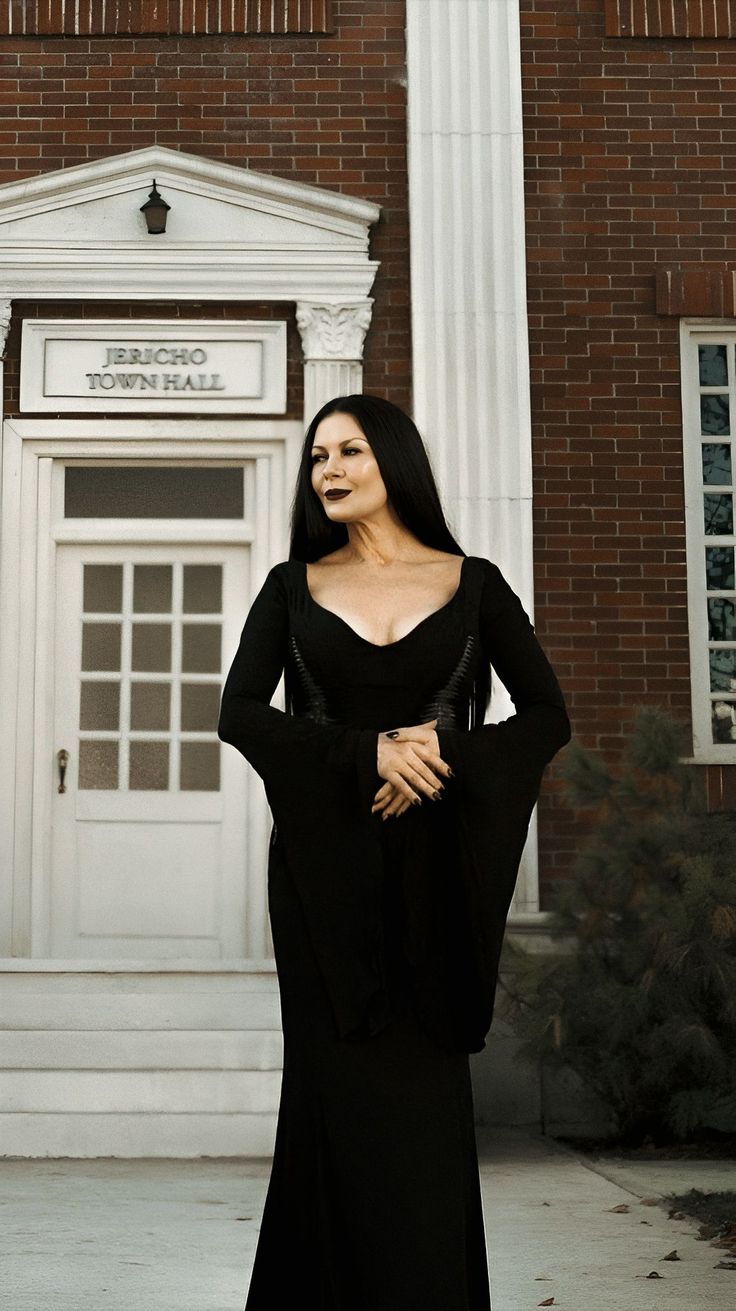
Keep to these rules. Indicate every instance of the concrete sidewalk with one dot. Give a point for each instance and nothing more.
(114, 1235)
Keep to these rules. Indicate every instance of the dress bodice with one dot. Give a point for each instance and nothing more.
(333, 675)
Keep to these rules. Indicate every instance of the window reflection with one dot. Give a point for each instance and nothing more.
(723, 671)
(717, 463)
(721, 619)
(718, 514)
(719, 568)
(714, 415)
(712, 366)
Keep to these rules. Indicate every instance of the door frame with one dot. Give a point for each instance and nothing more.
(28, 540)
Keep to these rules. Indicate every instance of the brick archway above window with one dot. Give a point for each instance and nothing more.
(165, 17)
(709, 289)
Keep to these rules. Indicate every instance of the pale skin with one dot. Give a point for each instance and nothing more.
(394, 579)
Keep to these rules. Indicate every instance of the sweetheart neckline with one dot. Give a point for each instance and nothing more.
(382, 646)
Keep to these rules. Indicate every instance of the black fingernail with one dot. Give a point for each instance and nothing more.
(394, 732)
(436, 795)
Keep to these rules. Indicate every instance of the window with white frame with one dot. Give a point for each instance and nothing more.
(709, 429)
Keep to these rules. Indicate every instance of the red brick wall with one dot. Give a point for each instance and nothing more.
(327, 110)
(630, 149)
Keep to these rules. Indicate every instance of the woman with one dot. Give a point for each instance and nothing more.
(399, 821)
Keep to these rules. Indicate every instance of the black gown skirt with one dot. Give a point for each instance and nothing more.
(374, 1197)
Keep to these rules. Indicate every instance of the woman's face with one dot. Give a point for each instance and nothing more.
(343, 460)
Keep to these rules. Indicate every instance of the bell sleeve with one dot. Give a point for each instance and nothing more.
(498, 770)
(279, 745)
(320, 781)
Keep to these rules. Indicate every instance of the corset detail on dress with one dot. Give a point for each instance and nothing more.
(309, 696)
(304, 693)
(449, 704)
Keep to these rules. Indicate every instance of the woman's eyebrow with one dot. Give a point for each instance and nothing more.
(347, 442)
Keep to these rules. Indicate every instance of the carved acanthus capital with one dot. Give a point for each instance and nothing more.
(6, 312)
(333, 332)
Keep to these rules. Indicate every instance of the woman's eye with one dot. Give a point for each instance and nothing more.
(349, 450)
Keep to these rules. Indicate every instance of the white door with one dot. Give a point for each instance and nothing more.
(148, 842)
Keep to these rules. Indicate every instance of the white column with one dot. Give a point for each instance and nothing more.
(468, 287)
(332, 340)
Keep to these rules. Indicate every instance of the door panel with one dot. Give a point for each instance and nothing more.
(149, 838)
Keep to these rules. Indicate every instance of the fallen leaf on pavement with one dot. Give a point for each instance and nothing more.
(672, 1256)
(622, 1206)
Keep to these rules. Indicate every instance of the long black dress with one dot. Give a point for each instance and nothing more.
(386, 934)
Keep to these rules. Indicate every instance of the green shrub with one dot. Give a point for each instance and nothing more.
(642, 1004)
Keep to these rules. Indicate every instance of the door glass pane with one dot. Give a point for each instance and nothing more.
(151, 648)
(142, 676)
(149, 706)
(150, 492)
(99, 706)
(101, 646)
(152, 589)
(200, 766)
(98, 764)
(149, 766)
(200, 707)
(201, 648)
(103, 589)
(202, 589)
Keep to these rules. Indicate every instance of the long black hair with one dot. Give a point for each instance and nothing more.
(405, 469)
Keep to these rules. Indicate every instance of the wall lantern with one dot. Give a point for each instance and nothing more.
(155, 210)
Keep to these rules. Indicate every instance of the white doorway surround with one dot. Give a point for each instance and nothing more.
(138, 994)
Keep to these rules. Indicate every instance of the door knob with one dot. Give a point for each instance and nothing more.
(63, 759)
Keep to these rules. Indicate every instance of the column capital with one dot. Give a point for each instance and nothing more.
(333, 332)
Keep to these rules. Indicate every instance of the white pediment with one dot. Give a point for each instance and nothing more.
(224, 223)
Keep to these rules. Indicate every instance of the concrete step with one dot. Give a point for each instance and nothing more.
(155, 1049)
(123, 1135)
(140, 1062)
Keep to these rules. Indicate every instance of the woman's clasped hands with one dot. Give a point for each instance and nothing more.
(409, 760)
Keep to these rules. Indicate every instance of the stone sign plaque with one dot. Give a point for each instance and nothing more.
(78, 365)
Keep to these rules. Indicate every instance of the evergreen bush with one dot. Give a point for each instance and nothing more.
(643, 1008)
